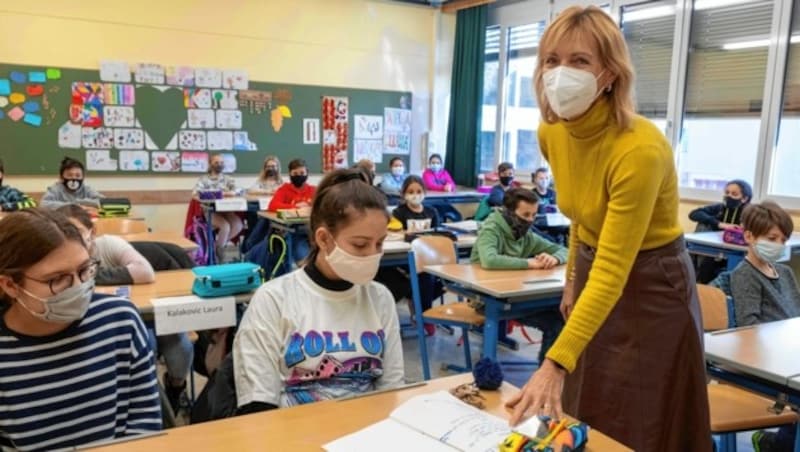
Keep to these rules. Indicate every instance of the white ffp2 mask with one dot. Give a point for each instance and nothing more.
(569, 91)
(359, 270)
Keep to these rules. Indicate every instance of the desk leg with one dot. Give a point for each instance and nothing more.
(210, 252)
(502, 336)
(490, 328)
(290, 247)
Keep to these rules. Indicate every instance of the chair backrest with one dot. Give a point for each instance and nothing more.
(433, 250)
(120, 226)
(714, 307)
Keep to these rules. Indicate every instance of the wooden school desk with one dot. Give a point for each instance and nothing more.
(710, 244)
(460, 196)
(174, 238)
(309, 427)
(395, 251)
(762, 358)
(507, 294)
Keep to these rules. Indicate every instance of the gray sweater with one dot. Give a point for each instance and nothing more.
(758, 298)
(57, 195)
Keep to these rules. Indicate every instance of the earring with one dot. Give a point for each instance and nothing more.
(608, 88)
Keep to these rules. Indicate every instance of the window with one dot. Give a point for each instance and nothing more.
(491, 67)
(487, 150)
(786, 161)
(649, 30)
(725, 77)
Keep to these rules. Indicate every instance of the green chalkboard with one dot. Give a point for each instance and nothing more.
(160, 112)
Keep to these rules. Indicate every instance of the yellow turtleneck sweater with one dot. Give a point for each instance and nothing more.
(620, 190)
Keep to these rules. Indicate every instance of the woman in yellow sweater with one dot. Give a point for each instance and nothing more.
(630, 357)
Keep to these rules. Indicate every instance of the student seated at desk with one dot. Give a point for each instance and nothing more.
(392, 182)
(75, 366)
(506, 242)
(269, 180)
(12, 199)
(295, 194)
(542, 186)
(120, 264)
(436, 177)
(71, 189)
(764, 290)
(367, 166)
(326, 330)
(227, 224)
(411, 213)
(505, 174)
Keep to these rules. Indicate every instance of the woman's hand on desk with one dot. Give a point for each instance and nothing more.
(541, 395)
(542, 261)
(567, 299)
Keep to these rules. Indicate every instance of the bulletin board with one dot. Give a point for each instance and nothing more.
(167, 120)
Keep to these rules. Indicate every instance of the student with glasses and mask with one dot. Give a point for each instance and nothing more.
(75, 366)
(326, 330)
(270, 178)
(71, 189)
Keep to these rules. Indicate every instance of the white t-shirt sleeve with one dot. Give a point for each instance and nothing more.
(393, 367)
(113, 251)
(257, 350)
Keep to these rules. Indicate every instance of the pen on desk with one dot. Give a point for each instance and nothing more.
(732, 330)
(381, 391)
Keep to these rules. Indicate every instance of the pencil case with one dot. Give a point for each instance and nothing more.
(734, 237)
(226, 279)
(207, 195)
(572, 438)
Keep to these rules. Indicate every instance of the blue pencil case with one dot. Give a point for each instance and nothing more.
(226, 279)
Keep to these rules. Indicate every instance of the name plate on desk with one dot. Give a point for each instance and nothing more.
(263, 203)
(190, 313)
(231, 205)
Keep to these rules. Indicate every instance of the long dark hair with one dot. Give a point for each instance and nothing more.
(28, 236)
(341, 196)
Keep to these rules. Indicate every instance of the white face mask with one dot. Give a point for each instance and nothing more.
(769, 251)
(415, 199)
(569, 91)
(398, 171)
(65, 307)
(358, 270)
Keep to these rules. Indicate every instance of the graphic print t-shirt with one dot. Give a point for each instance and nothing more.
(300, 343)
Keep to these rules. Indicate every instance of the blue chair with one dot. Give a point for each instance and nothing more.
(733, 409)
(438, 250)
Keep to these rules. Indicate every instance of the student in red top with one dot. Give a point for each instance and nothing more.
(296, 193)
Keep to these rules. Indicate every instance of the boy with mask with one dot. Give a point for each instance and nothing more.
(12, 199)
(764, 290)
(506, 242)
(542, 188)
(295, 194)
(71, 188)
(505, 174)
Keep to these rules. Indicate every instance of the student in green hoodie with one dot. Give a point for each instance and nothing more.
(506, 242)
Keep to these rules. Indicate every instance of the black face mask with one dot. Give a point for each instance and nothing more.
(298, 181)
(519, 227)
(73, 184)
(271, 172)
(218, 168)
(731, 203)
(506, 180)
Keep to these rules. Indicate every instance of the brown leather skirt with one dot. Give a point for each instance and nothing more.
(641, 379)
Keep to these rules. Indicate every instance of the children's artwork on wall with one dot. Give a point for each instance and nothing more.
(234, 79)
(241, 142)
(115, 94)
(69, 136)
(87, 104)
(53, 74)
(128, 138)
(115, 71)
(118, 116)
(310, 131)
(335, 132)
(368, 149)
(134, 160)
(200, 118)
(194, 162)
(5, 87)
(18, 77)
(207, 77)
(166, 162)
(150, 73)
(37, 77)
(224, 98)
(100, 160)
(396, 131)
(16, 113)
(230, 163)
(97, 137)
(229, 119)
(192, 140)
(30, 107)
(219, 140)
(180, 75)
(34, 90)
(32, 119)
(197, 98)
(256, 101)
(368, 127)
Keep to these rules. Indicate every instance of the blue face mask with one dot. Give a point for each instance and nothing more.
(769, 251)
(436, 167)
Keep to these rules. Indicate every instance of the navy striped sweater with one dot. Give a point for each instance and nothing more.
(94, 381)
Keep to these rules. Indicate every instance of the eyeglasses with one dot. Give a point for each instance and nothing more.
(63, 282)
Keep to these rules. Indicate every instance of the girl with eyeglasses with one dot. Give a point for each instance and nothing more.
(75, 366)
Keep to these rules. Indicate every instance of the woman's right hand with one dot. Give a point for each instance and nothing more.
(568, 299)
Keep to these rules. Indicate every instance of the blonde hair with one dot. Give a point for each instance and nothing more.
(263, 175)
(592, 25)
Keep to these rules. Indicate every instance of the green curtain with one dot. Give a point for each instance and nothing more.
(466, 90)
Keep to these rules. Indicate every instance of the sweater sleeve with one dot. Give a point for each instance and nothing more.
(51, 199)
(747, 297)
(281, 200)
(634, 182)
(430, 181)
(707, 215)
(448, 178)
(488, 245)
(538, 245)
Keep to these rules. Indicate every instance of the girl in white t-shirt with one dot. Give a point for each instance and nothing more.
(326, 330)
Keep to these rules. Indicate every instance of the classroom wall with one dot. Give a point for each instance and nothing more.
(348, 43)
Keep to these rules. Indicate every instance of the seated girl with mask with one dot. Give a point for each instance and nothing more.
(75, 366)
(227, 224)
(71, 189)
(392, 182)
(506, 242)
(326, 330)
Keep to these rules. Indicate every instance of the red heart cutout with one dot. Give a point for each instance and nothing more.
(34, 90)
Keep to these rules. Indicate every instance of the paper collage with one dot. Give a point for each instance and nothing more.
(114, 94)
(149, 73)
(100, 160)
(180, 76)
(396, 131)
(192, 140)
(23, 97)
(335, 131)
(87, 104)
(207, 78)
(97, 138)
(197, 98)
(134, 160)
(128, 138)
(194, 162)
(166, 162)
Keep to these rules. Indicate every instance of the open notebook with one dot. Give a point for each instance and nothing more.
(436, 422)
